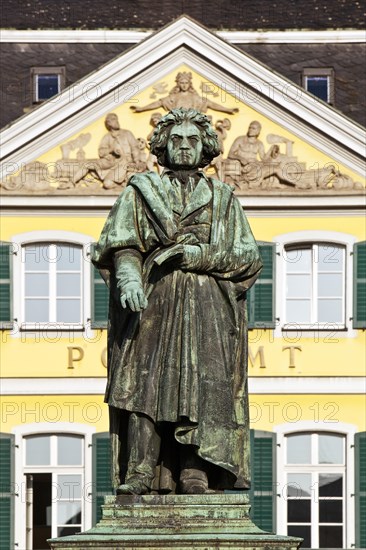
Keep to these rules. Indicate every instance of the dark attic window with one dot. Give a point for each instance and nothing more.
(320, 82)
(46, 82)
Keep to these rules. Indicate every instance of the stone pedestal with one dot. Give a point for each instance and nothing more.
(175, 521)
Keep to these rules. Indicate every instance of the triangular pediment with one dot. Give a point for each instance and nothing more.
(220, 73)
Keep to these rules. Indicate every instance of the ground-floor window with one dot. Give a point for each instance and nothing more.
(54, 471)
(315, 488)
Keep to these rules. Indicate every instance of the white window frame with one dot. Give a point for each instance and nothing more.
(52, 237)
(46, 71)
(324, 72)
(297, 239)
(61, 428)
(336, 428)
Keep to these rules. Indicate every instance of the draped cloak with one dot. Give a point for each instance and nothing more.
(182, 360)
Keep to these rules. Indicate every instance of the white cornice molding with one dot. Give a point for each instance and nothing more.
(101, 36)
(293, 203)
(258, 385)
(76, 36)
(185, 42)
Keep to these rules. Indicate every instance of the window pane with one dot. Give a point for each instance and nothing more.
(302, 531)
(318, 85)
(330, 536)
(331, 449)
(37, 450)
(330, 284)
(68, 258)
(299, 510)
(298, 286)
(330, 257)
(47, 85)
(68, 512)
(298, 311)
(330, 485)
(37, 311)
(330, 311)
(68, 284)
(330, 511)
(70, 486)
(298, 260)
(36, 258)
(36, 284)
(69, 450)
(68, 310)
(298, 485)
(299, 449)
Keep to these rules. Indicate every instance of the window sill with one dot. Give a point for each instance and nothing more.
(52, 326)
(325, 327)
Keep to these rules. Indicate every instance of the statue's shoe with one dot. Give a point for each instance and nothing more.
(133, 487)
(195, 487)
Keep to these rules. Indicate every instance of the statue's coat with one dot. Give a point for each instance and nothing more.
(183, 360)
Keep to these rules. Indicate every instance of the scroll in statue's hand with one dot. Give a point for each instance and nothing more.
(133, 296)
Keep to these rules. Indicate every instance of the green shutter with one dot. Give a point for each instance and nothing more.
(6, 314)
(100, 298)
(261, 296)
(360, 489)
(262, 495)
(359, 285)
(102, 482)
(6, 491)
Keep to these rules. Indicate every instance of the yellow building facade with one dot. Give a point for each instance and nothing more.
(305, 205)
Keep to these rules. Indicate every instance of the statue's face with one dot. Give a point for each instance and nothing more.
(254, 129)
(184, 148)
(184, 84)
(111, 122)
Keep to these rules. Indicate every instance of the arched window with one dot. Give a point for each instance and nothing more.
(52, 275)
(315, 284)
(315, 488)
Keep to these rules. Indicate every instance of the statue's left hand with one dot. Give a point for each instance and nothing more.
(133, 295)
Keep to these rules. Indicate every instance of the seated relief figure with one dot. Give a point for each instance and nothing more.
(178, 255)
(117, 151)
(256, 165)
(184, 95)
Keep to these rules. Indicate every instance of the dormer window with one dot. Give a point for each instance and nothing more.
(46, 82)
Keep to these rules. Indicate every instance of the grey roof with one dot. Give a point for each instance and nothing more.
(80, 60)
(214, 14)
(347, 60)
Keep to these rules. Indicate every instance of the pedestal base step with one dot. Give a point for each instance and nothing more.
(181, 522)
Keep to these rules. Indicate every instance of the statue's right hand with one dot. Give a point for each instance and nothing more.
(134, 109)
(133, 295)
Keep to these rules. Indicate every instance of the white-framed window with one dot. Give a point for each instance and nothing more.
(315, 483)
(314, 274)
(53, 473)
(46, 82)
(315, 488)
(320, 82)
(53, 283)
(52, 269)
(315, 283)
(54, 468)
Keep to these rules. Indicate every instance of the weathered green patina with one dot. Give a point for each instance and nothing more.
(178, 255)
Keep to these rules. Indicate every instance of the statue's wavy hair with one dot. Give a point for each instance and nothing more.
(159, 139)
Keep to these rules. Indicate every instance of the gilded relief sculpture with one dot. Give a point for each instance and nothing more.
(178, 255)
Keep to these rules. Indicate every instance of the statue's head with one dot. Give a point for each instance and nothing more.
(254, 129)
(111, 121)
(184, 81)
(184, 139)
